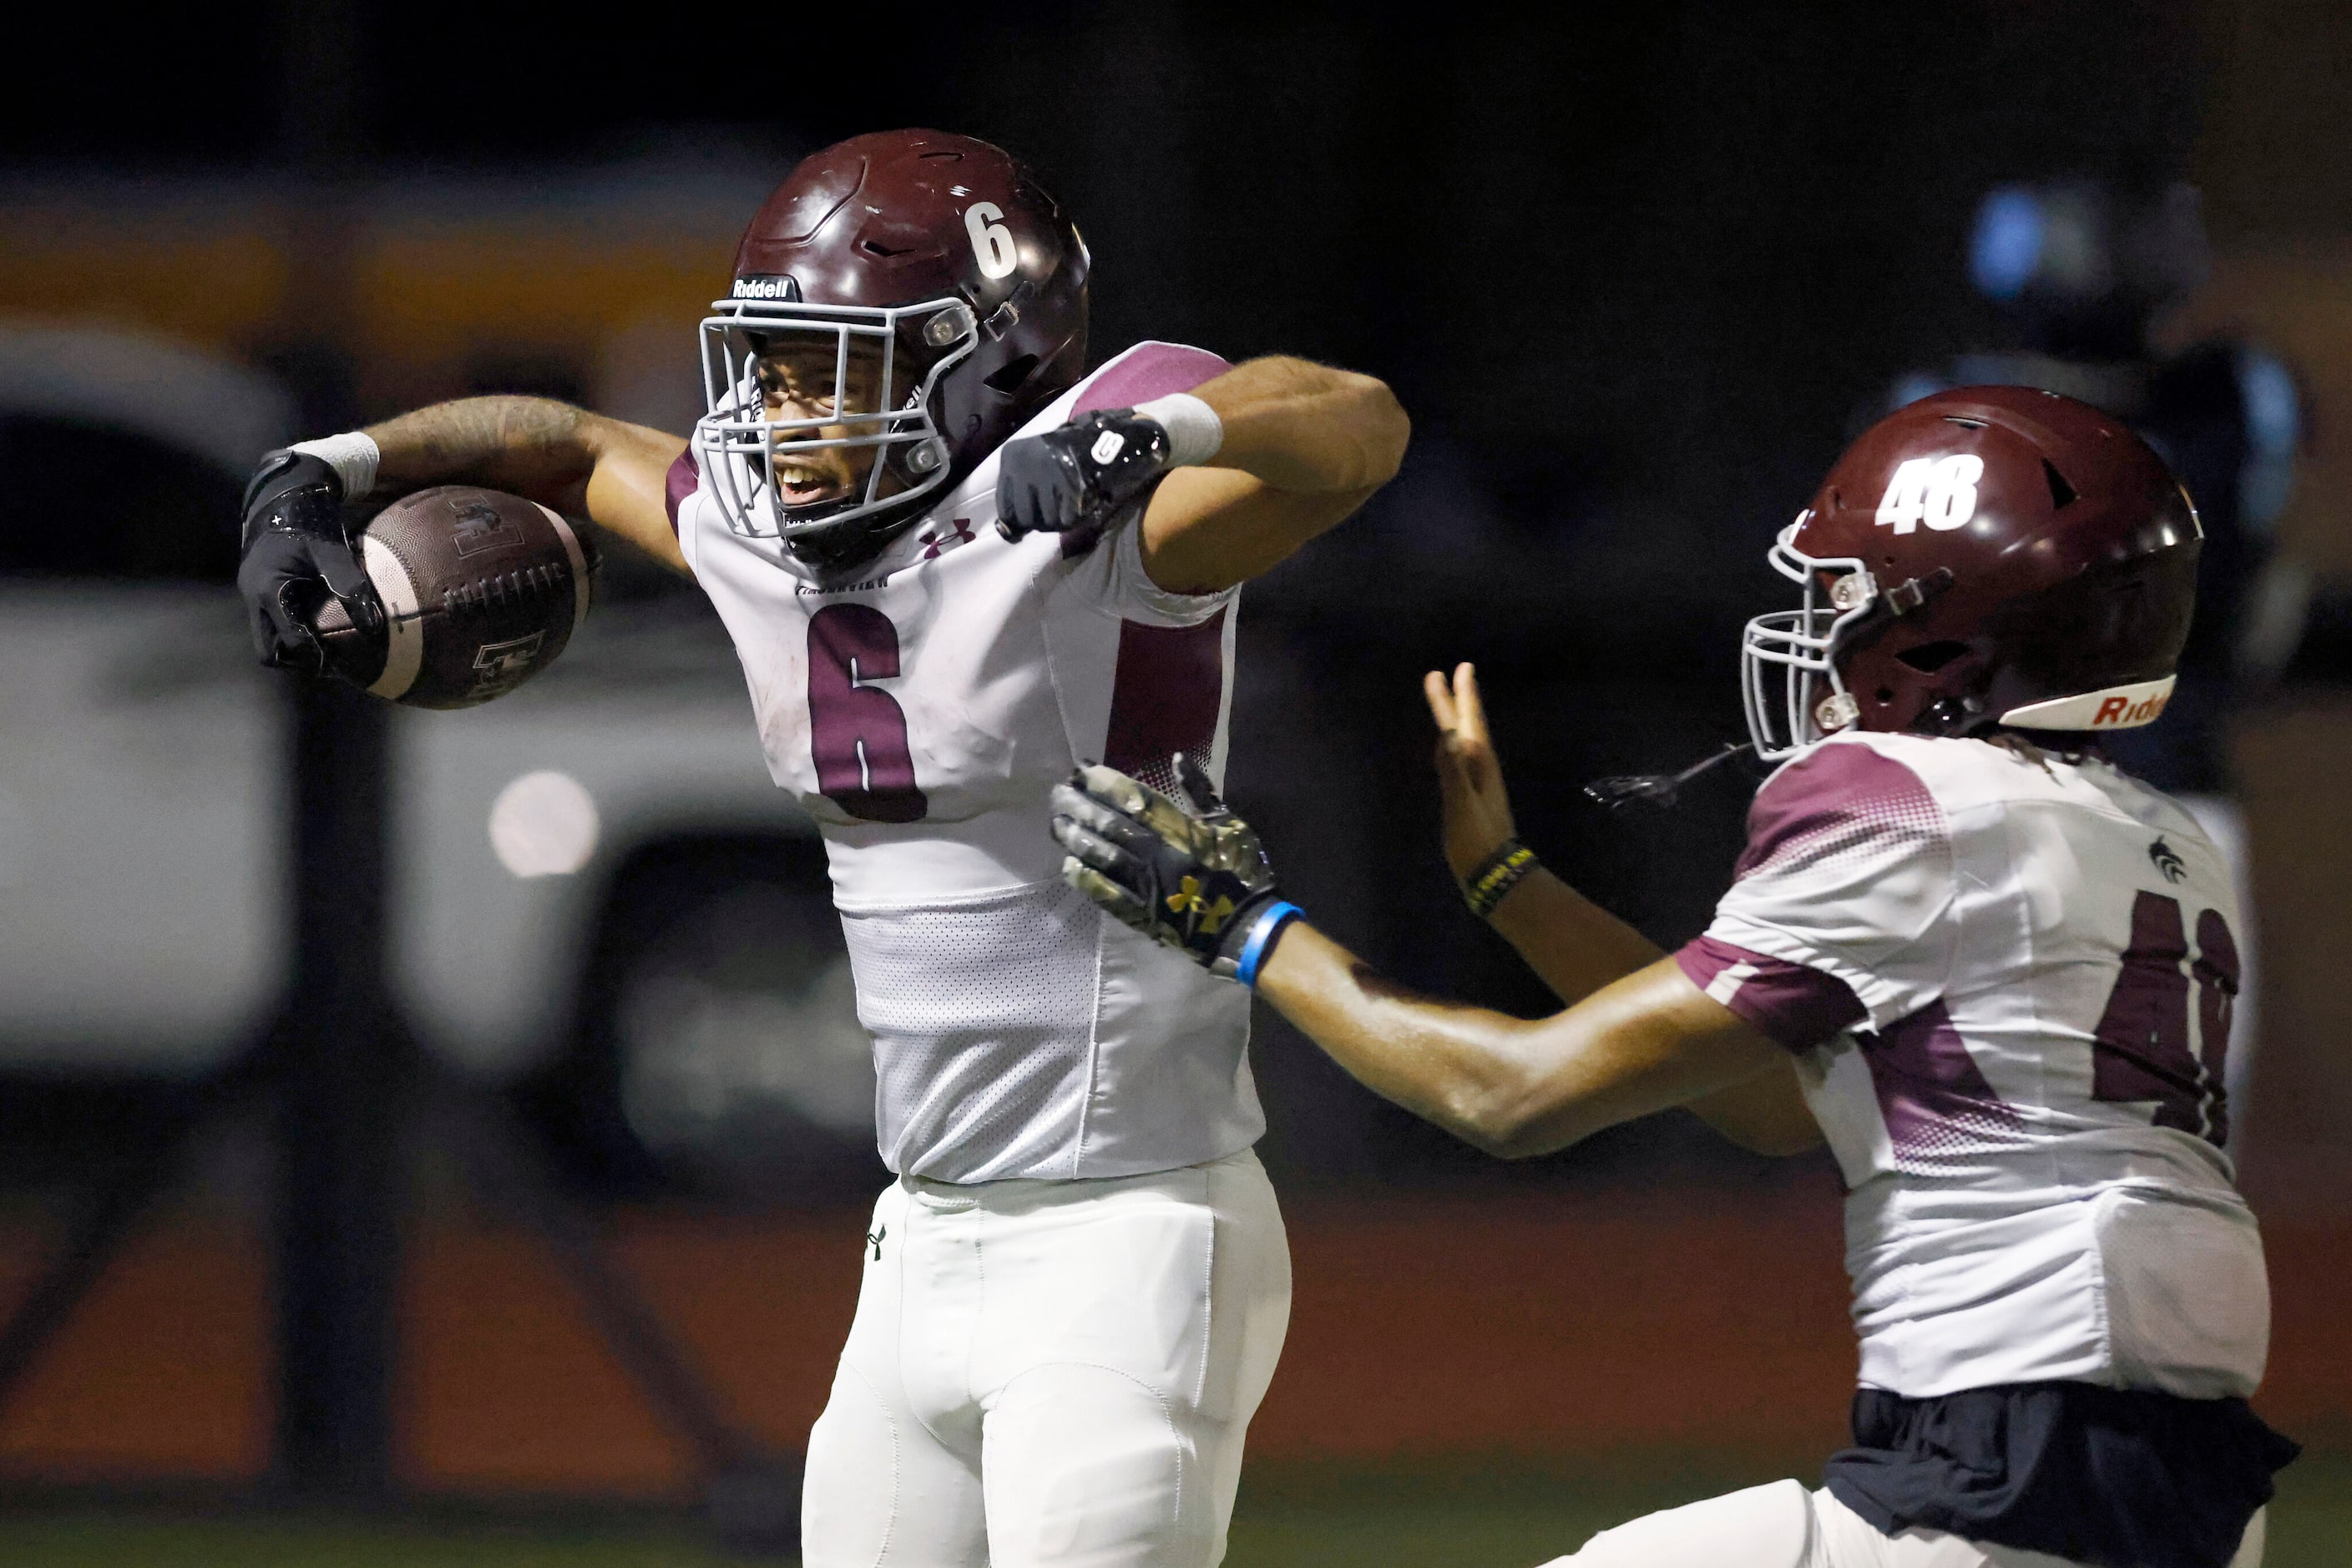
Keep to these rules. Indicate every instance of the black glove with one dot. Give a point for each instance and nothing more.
(296, 553)
(1079, 476)
(1190, 876)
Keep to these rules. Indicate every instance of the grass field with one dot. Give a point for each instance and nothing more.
(1442, 1518)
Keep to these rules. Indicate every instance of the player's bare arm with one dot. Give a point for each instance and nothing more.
(1232, 477)
(297, 548)
(1304, 445)
(580, 463)
(1573, 944)
(1638, 1036)
(1517, 1087)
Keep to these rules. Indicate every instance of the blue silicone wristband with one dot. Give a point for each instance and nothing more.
(1261, 940)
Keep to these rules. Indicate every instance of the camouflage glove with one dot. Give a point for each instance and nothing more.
(1079, 476)
(295, 553)
(1190, 876)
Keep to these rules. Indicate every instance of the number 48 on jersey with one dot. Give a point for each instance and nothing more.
(2142, 1049)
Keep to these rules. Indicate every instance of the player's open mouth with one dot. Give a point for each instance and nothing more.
(801, 485)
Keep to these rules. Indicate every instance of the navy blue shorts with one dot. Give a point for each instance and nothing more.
(2120, 1477)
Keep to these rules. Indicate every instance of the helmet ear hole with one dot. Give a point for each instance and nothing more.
(1007, 379)
(2061, 494)
(1929, 657)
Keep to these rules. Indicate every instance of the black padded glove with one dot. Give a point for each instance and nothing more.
(1079, 476)
(1190, 876)
(296, 553)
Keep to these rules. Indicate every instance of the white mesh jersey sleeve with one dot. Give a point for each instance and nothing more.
(1849, 871)
(1113, 577)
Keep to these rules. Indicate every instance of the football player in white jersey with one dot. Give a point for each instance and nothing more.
(1993, 971)
(954, 567)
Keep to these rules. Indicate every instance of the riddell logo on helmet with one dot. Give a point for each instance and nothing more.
(776, 285)
(2122, 712)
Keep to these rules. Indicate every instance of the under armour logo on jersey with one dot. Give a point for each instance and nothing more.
(2167, 860)
(874, 1240)
(941, 540)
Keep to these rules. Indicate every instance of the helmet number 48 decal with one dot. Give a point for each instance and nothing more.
(1938, 491)
(992, 241)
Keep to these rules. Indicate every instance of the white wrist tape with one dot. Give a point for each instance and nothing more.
(1194, 431)
(354, 457)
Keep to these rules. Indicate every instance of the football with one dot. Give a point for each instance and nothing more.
(481, 589)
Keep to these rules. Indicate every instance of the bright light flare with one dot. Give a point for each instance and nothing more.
(544, 825)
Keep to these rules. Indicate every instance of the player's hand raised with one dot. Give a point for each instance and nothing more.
(1079, 476)
(1189, 874)
(1478, 809)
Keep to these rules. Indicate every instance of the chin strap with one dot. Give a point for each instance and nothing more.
(840, 549)
(1659, 789)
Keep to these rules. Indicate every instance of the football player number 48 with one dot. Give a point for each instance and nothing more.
(1938, 491)
(857, 732)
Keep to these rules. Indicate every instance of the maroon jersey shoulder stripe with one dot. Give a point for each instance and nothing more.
(683, 479)
(1834, 800)
(1165, 692)
(1155, 370)
(1142, 373)
(1796, 1007)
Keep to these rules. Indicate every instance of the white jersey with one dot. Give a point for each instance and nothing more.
(921, 712)
(2010, 983)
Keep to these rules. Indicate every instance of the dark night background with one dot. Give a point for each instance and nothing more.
(1637, 273)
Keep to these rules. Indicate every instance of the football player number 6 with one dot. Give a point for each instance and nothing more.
(858, 733)
(991, 242)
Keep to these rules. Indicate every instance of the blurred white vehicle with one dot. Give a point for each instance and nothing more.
(596, 891)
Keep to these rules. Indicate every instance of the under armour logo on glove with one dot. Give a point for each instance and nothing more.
(1189, 874)
(1079, 476)
(1194, 904)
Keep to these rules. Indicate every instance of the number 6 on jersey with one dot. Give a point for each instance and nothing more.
(858, 733)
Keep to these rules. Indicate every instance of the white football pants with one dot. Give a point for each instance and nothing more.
(1784, 1526)
(1051, 1372)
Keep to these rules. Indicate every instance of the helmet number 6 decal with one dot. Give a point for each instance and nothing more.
(991, 242)
(1938, 491)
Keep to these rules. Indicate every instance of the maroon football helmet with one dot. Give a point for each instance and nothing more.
(1988, 557)
(948, 295)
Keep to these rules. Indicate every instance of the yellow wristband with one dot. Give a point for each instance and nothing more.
(1496, 875)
